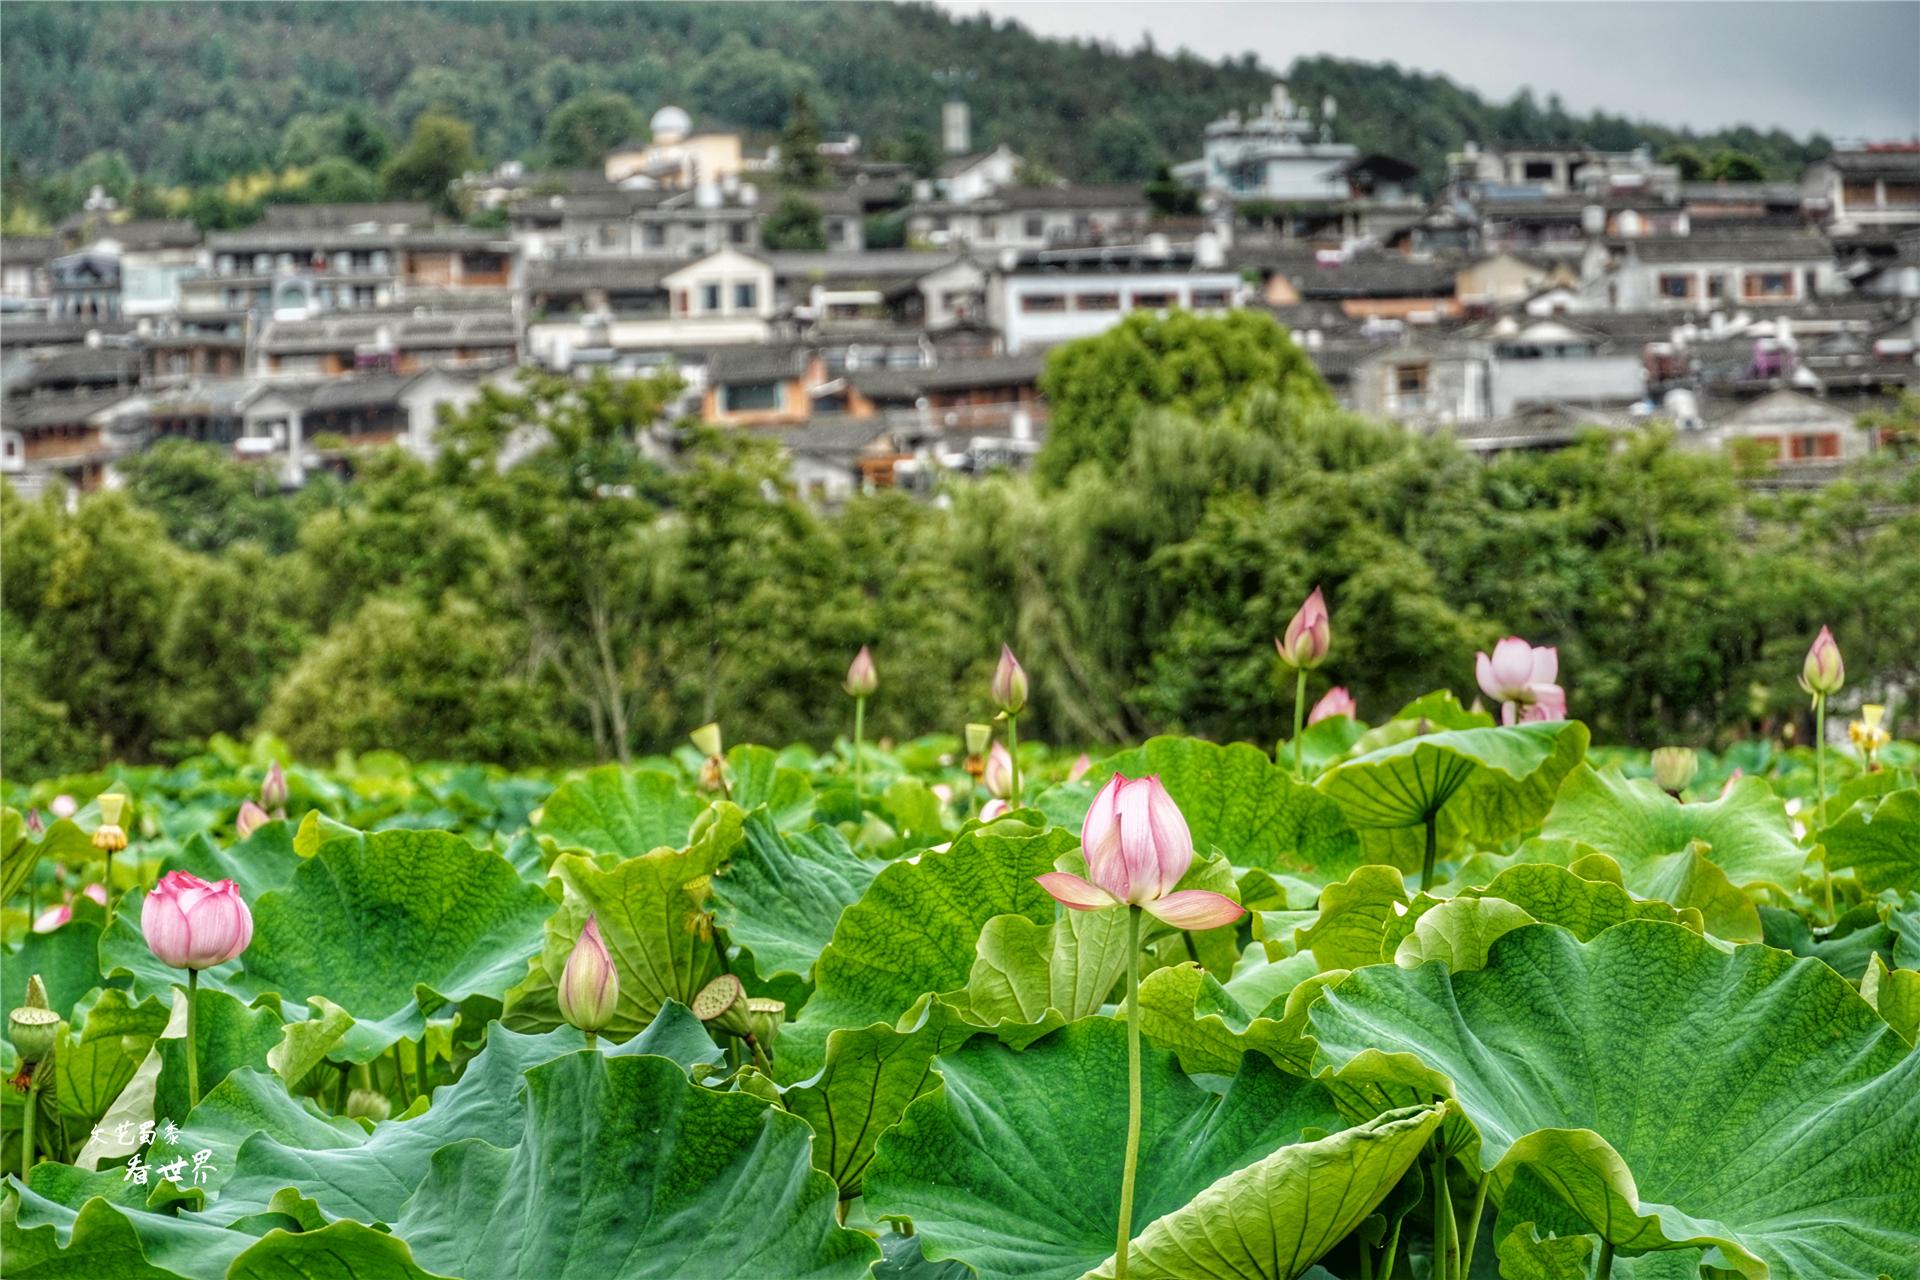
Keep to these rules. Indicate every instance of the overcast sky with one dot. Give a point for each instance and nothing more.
(1838, 67)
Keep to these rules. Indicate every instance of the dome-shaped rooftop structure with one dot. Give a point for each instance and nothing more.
(670, 124)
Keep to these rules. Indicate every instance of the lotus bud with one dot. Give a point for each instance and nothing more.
(33, 1027)
(942, 792)
(367, 1104)
(1137, 846)
(1309, 635)
(190, 924)
(999, 773)
(109, 835)
(35, 827)
(993, 809)
(1823, 673)
(978, 738)
(1673, 769)
(1080, 767)
(98, 892)
(589, 987)
(706, 740)
(63, 806)
(252, 818)
(1334, 702)
(722, 1003)
(862, 679)
(273, 789)
(1009, 686)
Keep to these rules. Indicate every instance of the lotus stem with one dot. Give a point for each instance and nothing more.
(1299, 718)
(399, 1071)
(1820, 793)
(1013, 750)
(1446, 1232)
(1604, 1267)
(759, 1055)
(1366, 1262)
(592, 1043)
(1125, 1231)
(107, 875)
(1473, 1225)
(193, 1044)
(420, 1063)
(340, 1090)
(859, 762)
(27, 1119)
(1393, 1249)
(1433, 849)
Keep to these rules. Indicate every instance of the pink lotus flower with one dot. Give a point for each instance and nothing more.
(190, 924)
(35, 827)
(252, 818)
(273, 791)
(1823, 673)
(999, 773)
(994, 809)
(1309, 635)
(1137, 847)
(1335, 702)
(1009, 688)
(942, 792)
(590, 985)
(1080, 767)
(862, 679)
(1520, 677)
(63, 806)
(61, 912)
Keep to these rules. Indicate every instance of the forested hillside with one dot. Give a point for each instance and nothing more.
(198, 93)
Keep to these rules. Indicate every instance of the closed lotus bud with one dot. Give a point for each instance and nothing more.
(34, 825)
(978, 737)
(190, 924)
(1823, 673)
(273, 789)
(1009, 686)
(1309, 635)
(999, 774)
(1673, 769)
(706, 739)
(862, 679)
(589, 985)
(722, 1003)
(994, 809)
(252, 818)
(1334, 702)
(366, 1104)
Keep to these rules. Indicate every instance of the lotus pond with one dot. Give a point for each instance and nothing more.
(1482, 1000)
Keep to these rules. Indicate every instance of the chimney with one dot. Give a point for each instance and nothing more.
(956, 127)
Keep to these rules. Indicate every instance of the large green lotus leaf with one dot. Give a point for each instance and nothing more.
(1676, 1094)
(67, 960)
(1746, 833)
(870, 1077)
(619, 811)
(230, 1036)
(337, 1251)
(1185, 1009)
(263, 861)
(1459, 933)
(96, 1061)
(1895, 993)
(1237, 800)
(1024, 971)
(758, 778)
(622, 1168)
(779, 895)
(1479, 784)
(391, 927)
(1879, 841)
(901, 1259)
(1013, 1166)
(1687, 881)
(269, 1141)
(1353, 919)
(1556, 895)
(1272, 1219)
(1848, 947)
(912, 933)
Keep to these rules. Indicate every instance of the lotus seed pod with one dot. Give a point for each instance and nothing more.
(33, 1032)
(706, 739)
(722, 1003)
(366, 1104)
(766, 1016)
(978, 737)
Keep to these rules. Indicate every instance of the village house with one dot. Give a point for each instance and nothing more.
(1042, 297)
(1700, 272)
(1020, 217)
(1866, 190)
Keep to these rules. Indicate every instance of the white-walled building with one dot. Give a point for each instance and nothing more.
(1038, 299)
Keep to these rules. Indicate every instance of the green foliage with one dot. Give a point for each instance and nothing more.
(1124, 149)
(1686, 158)
(801, 164)
(438, 151)
(581, 132)
(1170, 196)
(794, 224)
(1729, 165)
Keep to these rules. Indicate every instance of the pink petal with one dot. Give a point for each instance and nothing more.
(167, 932)
(52, 918)
(1546, 664)
(1195, 909)
(1108, 866)
(1072, 891)
(1099, 819)
(1173, 842)
(1512, 666)
(1133, 819)
(1483, 673)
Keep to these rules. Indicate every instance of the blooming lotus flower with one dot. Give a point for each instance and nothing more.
(273, 790)
(1009, 687)
(1334, 702)
(190, 924)
(252, 818)
(589, 985)
(63, 806)
(862, 679)
(1080, 767)
(999, 774)
(1137, 847)
(1309, 635)
(1823, 673)
(1520, 677)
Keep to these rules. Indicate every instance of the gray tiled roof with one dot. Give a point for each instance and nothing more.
(1765, 247)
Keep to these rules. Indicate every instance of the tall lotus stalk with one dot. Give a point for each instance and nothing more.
(1822, 675)
(34, 1030)
(861, 681)
(1009, 690)
(1303, 648)
(1137, 847)
(110, 838)
(192, 925)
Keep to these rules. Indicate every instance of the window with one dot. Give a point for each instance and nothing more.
(1033, 302)
(1769, 284)
(1410, 379)
(654, 235)
(737, 232)
(1716, 287)
(710, 298)
(1153, 301)
(990, 228)
(1823, 445)
(740, 397)
(1097, 302)
(836, 231)
(1678, 285)
(1035, 226)
(746, 296)
(1210, 299)
(1539, 171)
